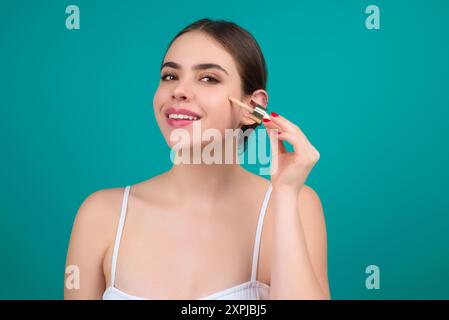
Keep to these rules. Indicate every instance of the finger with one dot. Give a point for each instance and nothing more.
(286, 125)
(274, 139)
(299, 145)
(273, 131)
(270, 124)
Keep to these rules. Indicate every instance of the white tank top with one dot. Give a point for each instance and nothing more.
(249, 290)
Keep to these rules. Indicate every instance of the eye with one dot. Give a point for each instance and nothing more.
(212, 79)
(171, 76)
(164, 77)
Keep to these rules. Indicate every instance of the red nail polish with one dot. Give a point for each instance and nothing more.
(274, 114)
(266, 120)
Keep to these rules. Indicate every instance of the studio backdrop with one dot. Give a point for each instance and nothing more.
(367, 81)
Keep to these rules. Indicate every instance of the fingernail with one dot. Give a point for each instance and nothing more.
(266, 120)
(274, 114)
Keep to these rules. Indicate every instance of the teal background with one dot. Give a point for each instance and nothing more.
(76, 117)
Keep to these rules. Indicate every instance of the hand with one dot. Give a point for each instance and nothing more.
(294, 167)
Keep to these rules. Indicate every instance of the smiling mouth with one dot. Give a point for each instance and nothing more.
(174, 116)
(178, 120)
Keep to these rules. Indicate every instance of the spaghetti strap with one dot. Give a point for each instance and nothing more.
(119, 234)
(258, 234)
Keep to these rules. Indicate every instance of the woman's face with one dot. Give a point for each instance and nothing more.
(197, 76)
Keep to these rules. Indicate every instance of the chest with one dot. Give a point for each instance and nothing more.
(164, 251)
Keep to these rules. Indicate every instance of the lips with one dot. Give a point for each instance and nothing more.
(179, 117)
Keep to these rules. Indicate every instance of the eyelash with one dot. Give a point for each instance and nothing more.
(213, 79)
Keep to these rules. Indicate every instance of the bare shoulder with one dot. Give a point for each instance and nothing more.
(93, 229)
(312, 219)
(309, 199)
(312, 215)
(99, 206)
(98, 215)
(314, 226)
(257, 181)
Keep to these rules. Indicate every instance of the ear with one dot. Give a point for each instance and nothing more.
(258, 97)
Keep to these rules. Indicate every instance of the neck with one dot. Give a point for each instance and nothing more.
(204, 181)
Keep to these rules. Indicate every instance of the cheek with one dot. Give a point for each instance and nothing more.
(220, 113)
(158, 99)
(219, 116)
(161, 96)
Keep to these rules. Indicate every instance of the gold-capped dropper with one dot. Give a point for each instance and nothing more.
(257, 113)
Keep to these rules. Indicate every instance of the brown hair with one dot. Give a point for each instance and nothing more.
(243, 47)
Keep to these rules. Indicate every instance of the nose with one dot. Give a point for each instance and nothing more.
(182, 92)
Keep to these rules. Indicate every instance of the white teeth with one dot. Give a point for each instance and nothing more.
(181, 116)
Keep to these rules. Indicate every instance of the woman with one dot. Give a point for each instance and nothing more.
(207, 231)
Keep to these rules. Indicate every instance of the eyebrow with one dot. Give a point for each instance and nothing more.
(201, 66)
